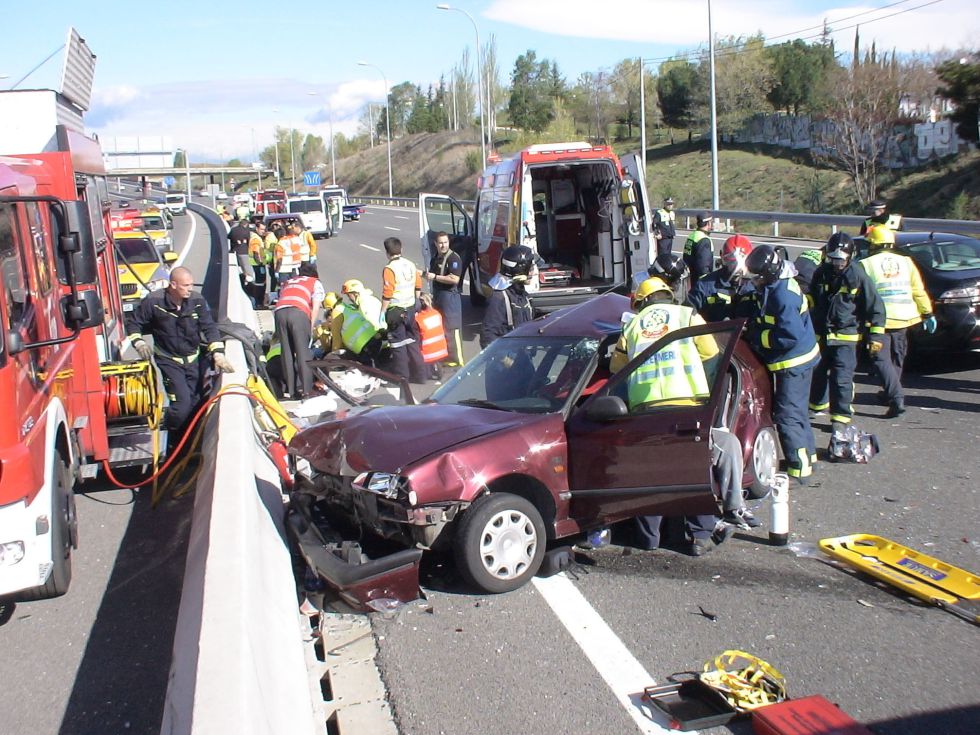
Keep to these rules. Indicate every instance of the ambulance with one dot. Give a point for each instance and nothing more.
(579, 207)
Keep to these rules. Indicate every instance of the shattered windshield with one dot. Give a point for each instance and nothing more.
(522, 374)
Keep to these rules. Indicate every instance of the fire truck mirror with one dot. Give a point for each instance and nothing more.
(86, 312)
(14, 342)
(77, 243)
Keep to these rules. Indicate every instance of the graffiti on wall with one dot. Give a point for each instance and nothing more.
(908, 145)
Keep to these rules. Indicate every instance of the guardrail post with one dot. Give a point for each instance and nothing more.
(775, 229)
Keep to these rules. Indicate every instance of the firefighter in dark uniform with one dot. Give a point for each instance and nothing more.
(673, 271)
(697, 249)
(878, 215)
(725, 292)
(781, 333)
(445, 273)
(663, 227)
(844, 300)
(179, 321)
(509, 305)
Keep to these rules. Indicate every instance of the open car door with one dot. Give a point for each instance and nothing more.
(650, 459)
(637, 217)
(440, 213)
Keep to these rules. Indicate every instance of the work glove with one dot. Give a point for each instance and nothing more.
(874, 347)
(222, 363)
(929, 324)
(143, 349)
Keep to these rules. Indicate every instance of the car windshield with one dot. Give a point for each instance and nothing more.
(522, 374)
(153, 223)
(951, 255)
(175, 198)
(137, 250)
(305, 205)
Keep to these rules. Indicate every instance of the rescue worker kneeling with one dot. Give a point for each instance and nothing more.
(357, 324)
(676, 376)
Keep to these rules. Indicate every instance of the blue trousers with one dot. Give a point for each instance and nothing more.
(789, 412)
(833, 381)
(890, 361)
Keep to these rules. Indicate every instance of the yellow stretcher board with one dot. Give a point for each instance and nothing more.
(918, 574)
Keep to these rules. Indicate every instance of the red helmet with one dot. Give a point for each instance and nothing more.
(734, 252)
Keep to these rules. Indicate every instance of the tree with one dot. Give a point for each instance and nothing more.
(961, 83)
(236, 162)
(180, 160)
(743, 78)
(800, 71)
(624, 83)
(314, 152)
(532, 85)
(679, 88)
(400, 99)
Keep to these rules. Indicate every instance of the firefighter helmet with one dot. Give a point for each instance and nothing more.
(352, 286)
(516, 261)
(734, 252)
(840, 246)
(648, 289)
(765, 262)
(669, 267)
(330, 300)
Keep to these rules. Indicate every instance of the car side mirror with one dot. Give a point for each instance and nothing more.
(606, 408)
(170, 257)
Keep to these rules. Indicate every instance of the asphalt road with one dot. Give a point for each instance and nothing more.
(96, 660)
(464, 663)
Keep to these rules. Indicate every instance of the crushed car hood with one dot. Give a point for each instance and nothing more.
(391, 438)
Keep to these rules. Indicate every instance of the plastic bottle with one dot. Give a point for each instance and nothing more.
(598, 538)
(779, 511)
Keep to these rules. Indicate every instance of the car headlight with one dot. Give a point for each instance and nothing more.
(11, 553)
(158, 284)
(383, 483)
(961, 294)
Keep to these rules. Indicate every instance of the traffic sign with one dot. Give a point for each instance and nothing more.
(311, 178)
(169, 181)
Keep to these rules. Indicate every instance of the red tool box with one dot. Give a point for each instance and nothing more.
(807, 716)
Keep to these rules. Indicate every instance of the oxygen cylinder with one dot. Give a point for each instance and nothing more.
(779, 510)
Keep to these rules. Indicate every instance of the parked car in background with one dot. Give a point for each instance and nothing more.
(176, 203)
(154, 224)
(312, 210)
(142, 268)
(533, 440)
(950, 269)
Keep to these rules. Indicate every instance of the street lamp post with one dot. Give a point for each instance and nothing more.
(275, 144)
(333, 161)
(714, 116)
(187, 170)
(391, 188)
(479, 79)
(292, 159)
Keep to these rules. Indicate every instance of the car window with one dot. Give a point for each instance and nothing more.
(305, 205)
(137, 250)
(681, 373)
(947, 256)
(523, 374)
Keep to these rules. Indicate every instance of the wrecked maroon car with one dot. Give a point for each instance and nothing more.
(533, 441)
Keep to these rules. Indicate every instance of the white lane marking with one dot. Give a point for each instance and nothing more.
(396, 229)
(624, 675)
(369, 247)
(185, 251)
(398, 216)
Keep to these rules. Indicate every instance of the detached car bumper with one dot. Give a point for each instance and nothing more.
(340, 563)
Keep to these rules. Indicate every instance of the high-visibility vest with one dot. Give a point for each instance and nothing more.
(255, 248)
(894, 222)
(357, 330)
(289, 253)
(674, 373)
(434, 345)
(297, 293)
(405, 277)
(307, 248)
(891, 274)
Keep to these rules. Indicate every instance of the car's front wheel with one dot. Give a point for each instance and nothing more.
(765, 462)
(500, 542)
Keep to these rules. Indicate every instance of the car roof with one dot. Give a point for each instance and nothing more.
(598, 317)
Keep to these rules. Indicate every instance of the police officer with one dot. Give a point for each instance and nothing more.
(402, 286)
(725, 292)
(697, 248)
(179, 320)
(663, 227)
(781, 333)
(445, 273)
(844, 300)
(358, 325)
(898, 282)
(509, 305)
(878, 215)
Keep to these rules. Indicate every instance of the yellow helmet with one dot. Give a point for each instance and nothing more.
(880, 237)
(352, 286)
(647, 289)
(330, 300)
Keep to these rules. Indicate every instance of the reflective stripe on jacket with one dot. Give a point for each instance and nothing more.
(289, 253)
(782, 332)
(356, 330)
(297, 293)
(406, 281)
(897, 280)
(844, 302)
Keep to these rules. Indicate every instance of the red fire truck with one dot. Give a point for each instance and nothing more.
(270, 201)
(70, 403)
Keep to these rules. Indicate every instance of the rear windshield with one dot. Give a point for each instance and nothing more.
(137, 250)
(153, 223)
(959, 255)
(305, 205)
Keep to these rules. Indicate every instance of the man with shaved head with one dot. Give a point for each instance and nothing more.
(179, 320)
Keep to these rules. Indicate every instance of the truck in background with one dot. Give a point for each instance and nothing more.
(176, 203)
(312, 210)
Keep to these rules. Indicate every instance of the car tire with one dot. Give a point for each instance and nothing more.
(477, 297)
(500, 543)
(64, 536)
(763, 464)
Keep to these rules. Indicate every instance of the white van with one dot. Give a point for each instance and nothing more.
(581, 209)
(176, 203)
(311, 210)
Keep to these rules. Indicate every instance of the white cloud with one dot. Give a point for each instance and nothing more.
(683, 25)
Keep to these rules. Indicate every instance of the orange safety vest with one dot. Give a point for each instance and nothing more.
(434, 345)
(289, 252)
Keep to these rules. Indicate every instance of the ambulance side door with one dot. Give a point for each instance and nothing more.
(637, 224)
(441, 213)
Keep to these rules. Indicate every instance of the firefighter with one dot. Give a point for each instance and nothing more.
(725, 292)
(179, 320)
(781, 333)
(844, 300)
(444, 274)
(878, 215)
(358, 324)
(673, 270)
(295, 313)
(676, 377)
(238, 237)
(663, 228)
(898, 282)
(697, 248)
(509, 305)
(323, 340)
(806, 265)
(402, 286)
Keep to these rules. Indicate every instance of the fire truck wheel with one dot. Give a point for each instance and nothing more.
(64, 530)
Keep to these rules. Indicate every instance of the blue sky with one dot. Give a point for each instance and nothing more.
(213, 74)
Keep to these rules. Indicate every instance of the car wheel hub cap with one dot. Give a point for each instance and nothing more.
(508, 544)
(764, 457)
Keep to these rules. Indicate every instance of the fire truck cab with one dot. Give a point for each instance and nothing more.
(581, 209)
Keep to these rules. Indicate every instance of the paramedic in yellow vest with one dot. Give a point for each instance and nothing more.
(271, 242)
(289, 256)
(878, 215)
(357, 323)
(323, 343)
(402, 286)
(256, 258)
(307, 243)
(898, 282)
(675, 376)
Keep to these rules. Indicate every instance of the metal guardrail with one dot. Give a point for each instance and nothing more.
(733, 216)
